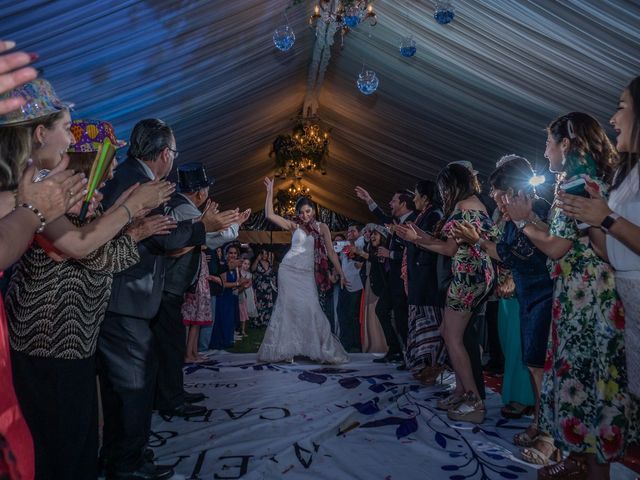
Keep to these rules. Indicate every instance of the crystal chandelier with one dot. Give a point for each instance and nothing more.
(286, 199)
(345, 13)
(303, 151)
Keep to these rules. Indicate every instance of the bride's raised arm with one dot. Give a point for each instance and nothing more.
(268, 209)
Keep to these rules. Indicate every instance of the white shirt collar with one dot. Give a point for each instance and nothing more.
(146, 169)
(404, 217)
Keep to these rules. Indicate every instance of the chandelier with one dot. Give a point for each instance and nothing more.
(303, 151)
(286, 199)
(345, 13)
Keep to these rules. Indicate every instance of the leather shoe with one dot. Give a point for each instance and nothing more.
(193, 397)
(402, 366)
(148, 471)
(185, 410)
(389, 357)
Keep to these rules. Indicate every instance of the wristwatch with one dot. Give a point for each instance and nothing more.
(523, 223)
(608, 222)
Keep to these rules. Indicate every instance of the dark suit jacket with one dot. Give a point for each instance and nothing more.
(137, 291)
(181, 272)
(396, 245)
(422, 265)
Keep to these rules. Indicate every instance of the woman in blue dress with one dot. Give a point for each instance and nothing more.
(227, 312)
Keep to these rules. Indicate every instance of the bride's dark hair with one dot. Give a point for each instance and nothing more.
(302, 201)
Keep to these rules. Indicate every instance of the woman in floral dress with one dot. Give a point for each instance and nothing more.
(264, 281)
(584, 388)
(473, 278)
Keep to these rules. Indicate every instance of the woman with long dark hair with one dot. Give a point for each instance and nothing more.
(473, 279)
(298, 325)
(584, 398)
(524, 343)
(617, 221)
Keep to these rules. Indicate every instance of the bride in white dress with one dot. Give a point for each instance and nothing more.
(298, 326)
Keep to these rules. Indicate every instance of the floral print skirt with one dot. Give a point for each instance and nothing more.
(584, 389)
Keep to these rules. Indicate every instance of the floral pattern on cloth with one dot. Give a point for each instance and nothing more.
(196, 309)
(320, 257)
(264, 283)
(472, 268)
(584, 389)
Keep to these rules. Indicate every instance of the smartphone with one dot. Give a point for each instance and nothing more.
(41, 175)
(576, 187)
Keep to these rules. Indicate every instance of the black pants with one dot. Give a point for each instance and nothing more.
(400, 308)
(496, 357)
(393, 313)
(170, 345)
(349, 318)
(127, 369)
(59, 401)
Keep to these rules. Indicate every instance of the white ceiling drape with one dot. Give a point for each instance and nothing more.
(478, 88)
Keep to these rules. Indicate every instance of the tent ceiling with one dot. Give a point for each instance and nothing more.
(480, 87)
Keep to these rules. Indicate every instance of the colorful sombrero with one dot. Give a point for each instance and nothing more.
(88, 135)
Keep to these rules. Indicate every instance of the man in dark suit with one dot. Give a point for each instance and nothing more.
(125, 348)
(402, 211)
(182, 270)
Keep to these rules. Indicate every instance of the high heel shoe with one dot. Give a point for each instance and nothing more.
(527, 437)
(470, 410)
(535, 456)
(451, 401)
(571, 468)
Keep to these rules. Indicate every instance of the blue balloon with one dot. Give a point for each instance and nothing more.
(284, 38)
(367, 82)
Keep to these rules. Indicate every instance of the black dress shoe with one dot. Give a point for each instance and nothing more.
(148, 455)
(402, 366)
(384, 359)
(193, 397)
(148, 471)
(185, 410)
(389, 357)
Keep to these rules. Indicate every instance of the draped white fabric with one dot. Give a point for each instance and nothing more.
(482, 86)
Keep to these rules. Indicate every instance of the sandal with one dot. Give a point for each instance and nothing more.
(450, 402)
(526, 438)
(571, 468)
(470, 410)
(516, 411)
(538, 457)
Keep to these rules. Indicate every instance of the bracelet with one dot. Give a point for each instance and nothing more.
(128, 212)
(43, 222)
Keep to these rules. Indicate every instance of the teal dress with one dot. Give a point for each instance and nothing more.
(516, 382)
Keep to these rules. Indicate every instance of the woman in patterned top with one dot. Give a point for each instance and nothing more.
(584, 396)
(55, 305)
(473, 279)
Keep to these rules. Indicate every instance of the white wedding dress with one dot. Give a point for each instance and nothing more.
(298, 326)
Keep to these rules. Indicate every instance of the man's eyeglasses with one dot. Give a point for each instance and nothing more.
(175, 152)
